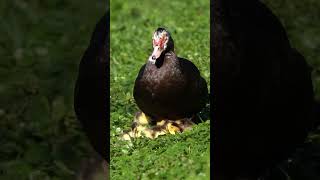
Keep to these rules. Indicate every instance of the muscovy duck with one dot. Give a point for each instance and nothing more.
(169, 91)
(167, 86)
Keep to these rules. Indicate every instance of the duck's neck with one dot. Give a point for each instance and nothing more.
(162, 59)
(166, 58)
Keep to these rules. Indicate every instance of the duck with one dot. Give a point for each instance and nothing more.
(263, 94)
(168, 90)
(167, 86)
(91, 88)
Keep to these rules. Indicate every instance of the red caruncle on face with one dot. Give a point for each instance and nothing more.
(159, 42)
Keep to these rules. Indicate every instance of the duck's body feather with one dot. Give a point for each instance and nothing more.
(170, 89)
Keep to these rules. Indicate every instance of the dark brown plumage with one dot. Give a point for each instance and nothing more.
(171, 87)
(263, 93)
(92, 92)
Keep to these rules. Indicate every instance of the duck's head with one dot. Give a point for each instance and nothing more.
(162, 43)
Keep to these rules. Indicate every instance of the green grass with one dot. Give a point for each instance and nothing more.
(41, 45)
(182, 156)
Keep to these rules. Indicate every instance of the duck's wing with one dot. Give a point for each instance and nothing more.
(197, 86)
(187, 66)
(91, 92)
(141, 71)
(139, 87)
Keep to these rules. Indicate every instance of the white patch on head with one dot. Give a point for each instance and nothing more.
(153, 61)
(155, 39)
(158, 36)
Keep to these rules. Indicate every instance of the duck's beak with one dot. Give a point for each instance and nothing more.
(155, 54)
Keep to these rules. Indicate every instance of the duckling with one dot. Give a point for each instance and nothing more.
(145, 126)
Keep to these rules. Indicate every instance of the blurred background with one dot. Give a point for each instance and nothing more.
(41, 45)
(301, 20)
